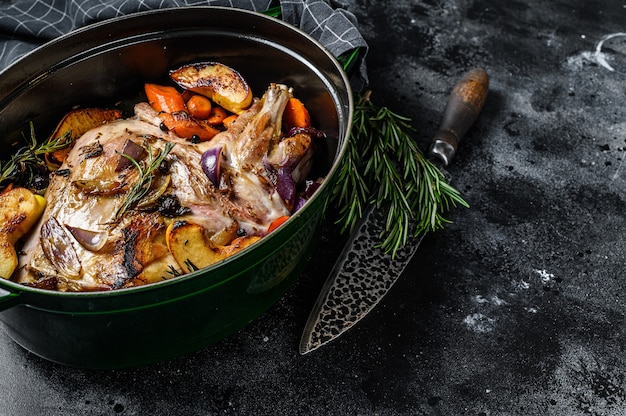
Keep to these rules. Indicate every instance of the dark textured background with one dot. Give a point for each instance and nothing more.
(516, 308)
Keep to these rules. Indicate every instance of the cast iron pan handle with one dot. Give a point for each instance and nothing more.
(465, 102)
(8, 299)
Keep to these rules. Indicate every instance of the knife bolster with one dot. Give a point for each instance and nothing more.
(442, 149)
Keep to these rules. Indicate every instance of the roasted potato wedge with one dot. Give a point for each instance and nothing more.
(193, 249)
(222, 84)
(20, 209)
(77, 122)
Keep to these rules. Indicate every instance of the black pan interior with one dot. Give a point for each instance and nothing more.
(106, 65)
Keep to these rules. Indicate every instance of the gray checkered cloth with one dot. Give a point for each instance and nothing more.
(27, 24)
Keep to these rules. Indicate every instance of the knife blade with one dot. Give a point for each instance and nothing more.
(363, 273)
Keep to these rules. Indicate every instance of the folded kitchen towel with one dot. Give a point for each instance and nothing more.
(27, 24)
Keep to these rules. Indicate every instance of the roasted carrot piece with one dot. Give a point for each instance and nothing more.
(186, 127)
(217, 116)
(7, 188)
(277, 223)
(229, 120)
(187, 95)
(164, 98)
(296, 114)
(199, 107)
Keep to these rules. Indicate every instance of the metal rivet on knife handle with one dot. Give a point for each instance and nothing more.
(465, 103)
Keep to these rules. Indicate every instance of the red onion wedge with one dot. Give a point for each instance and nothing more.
(210, 163)
(300, 201)
(130, 150)
(286, 186)
(309, 189)
(311, 131)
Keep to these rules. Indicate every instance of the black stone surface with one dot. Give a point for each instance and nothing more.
(516, 308)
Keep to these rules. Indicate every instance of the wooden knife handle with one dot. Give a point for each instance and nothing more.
(464, 104)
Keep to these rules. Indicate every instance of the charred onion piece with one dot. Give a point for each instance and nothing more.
(58, 249)
(311, 131)
(91, 240)
(286, 186)
(309, 190)
(300, 201)
(311, 187)
(131, 150)
(226, 235)
(156, 192)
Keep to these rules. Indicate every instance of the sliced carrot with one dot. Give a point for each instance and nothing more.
(296, 114)
(199, 107)
(277, 223)
(217, 116)
(186, 127)
(229, 120)
(164, 98)
(7, 188)
(187, 94)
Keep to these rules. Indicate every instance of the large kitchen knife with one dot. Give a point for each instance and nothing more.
(363, 273)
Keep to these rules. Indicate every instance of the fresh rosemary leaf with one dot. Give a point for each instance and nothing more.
(27, 161)
(351, 193)
(384, 166)
(146, 169)
(190, 265)
(173, 272)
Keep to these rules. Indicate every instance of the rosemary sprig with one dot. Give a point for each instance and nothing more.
(27, 161)
(173, 272)
(190, 265)
(384, 166)
(146, 169)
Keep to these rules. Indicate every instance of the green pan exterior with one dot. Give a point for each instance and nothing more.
(107, 64)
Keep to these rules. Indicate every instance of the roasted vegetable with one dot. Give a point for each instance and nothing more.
(217, 116)
(164, 98)
(58, 249)
(20, 209)
(193, 249)
(77, 122)
(226, 235)
(222, 84)
(210, 162)
(277, 223)
(199, 106)
(141, 199)
(229, 120)
(90, 240)
(296, 115)
(188, 127)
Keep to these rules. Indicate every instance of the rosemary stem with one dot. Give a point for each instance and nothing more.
(385, 167)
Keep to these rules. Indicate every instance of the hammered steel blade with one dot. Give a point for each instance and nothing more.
(363, 273)
(361, 278)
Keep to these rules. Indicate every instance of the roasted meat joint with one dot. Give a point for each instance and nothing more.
(201, 170)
